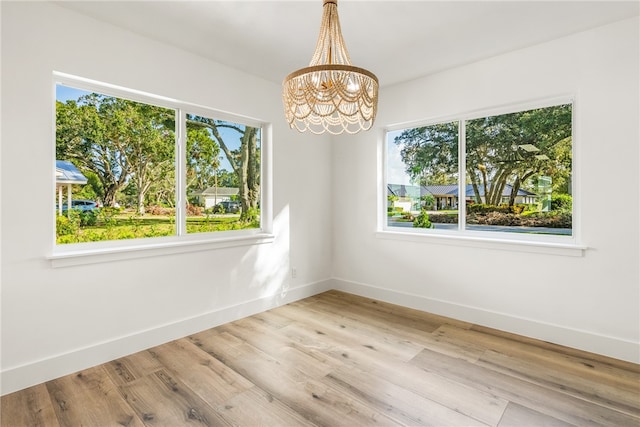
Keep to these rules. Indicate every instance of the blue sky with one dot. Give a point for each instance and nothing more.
(231, 137)
(65, 93)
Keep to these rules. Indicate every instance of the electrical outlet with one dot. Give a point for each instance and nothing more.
(294, 272)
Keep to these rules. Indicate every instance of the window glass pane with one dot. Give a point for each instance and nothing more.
(115, 167)
(223, 175)
(519, 172)
(422, 177)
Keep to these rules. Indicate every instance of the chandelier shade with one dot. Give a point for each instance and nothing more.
(330, 95)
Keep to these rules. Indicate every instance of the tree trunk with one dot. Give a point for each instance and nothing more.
(246, 167)
(253, 177)
(486, 187)
(110, 195)
(243, 175)
(516, 187)
(514, 191)
(497, 186)
(143, 182)
(250, 173)
(500, 188)
(476, 190)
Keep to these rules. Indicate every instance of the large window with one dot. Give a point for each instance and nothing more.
(132, 166)
(506, 173)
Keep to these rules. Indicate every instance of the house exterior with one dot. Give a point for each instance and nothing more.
(211, 196)
(446, 196)
(67, 175)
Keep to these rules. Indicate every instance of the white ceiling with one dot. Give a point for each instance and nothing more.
(396, 40)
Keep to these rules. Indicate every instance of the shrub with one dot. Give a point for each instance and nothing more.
(436, 218)
(107, 216)
(219, 209)
(88, 218)
(193, 210)
(422, 220)
(538, 219)
(159, 210)
(428, 200)
(548, 219)
(251, 217)
(70, 238)
(481, 208)
(66, 226)
(500, 218)
(561, 202)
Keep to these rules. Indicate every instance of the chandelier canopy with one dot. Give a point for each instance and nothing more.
(330, 94)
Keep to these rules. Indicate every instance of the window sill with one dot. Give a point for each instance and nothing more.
(542, 247)
(81, 254)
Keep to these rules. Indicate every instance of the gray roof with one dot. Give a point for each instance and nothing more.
(221, 191)
(446, 190)
(67, 173)
(439, 190)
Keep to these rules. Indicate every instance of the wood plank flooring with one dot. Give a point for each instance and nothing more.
(337, 359)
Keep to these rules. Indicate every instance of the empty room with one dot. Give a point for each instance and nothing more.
(322, 213)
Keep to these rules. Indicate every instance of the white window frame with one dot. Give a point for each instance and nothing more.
(113, 250)
(550, 244)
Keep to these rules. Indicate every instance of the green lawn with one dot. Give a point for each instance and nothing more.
(128, 226)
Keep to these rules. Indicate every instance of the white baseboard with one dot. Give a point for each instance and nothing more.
(614, 347)
(20, 377)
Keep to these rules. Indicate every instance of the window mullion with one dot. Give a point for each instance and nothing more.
(181, 173)
(462, 174)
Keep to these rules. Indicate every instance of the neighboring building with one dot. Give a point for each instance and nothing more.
(446, 196)
(211, 196)
(67, 175)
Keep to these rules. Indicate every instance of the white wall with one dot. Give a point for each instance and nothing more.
(590, 302)
(57, 321)
(60, 320)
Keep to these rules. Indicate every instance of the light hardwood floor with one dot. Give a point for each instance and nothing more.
(340, 360)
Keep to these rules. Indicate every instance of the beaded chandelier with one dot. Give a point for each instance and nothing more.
(330, 94)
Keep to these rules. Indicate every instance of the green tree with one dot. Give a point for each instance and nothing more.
(509, 149)
(203, 159)
(428, 201)
(227, 179)
(430, 153)
(146, 145)
(245, 161)
(81, 137)
(92, 190)
(119, 141)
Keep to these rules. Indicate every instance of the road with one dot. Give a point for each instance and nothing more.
(502, 228)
